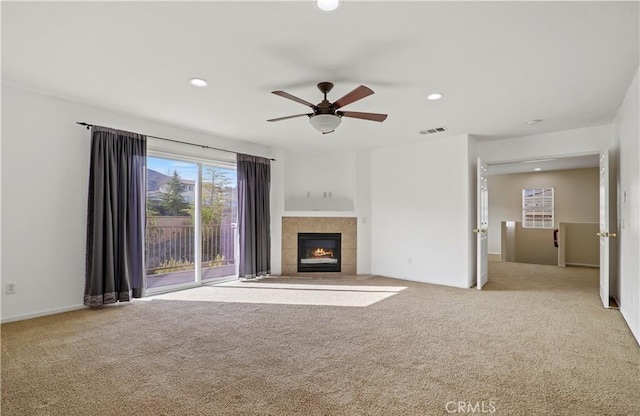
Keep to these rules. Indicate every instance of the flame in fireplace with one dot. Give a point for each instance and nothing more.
(321, 252)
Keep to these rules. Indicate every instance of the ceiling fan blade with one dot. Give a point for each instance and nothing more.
(286, 117)
(294, 98)
(364, 116)
(355, 95)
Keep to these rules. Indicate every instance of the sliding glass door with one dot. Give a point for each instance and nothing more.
(191, 218)
(219, 218)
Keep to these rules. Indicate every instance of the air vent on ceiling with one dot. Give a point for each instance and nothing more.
(431, 131)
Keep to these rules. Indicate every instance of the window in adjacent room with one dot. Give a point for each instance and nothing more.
(537, 207)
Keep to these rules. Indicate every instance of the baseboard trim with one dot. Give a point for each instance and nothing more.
(42, 313)
(597, 266)
(423, 281)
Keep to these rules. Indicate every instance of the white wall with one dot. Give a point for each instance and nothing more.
(421, 205)
(363, 210)
(627, 132)
(588, 140)
(45, 161)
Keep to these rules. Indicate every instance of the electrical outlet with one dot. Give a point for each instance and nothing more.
(10, 288)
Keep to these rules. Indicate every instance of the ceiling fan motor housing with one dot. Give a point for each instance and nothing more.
(325, 87)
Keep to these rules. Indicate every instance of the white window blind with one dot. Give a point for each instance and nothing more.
(537, 208)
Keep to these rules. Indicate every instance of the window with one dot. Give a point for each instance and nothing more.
(537, 208)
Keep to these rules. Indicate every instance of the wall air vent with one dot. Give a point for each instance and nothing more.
(431, 131)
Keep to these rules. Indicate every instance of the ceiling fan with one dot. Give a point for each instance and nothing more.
(326, 117)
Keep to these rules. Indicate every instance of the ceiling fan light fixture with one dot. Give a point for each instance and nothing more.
(325, 123)
(327, 5)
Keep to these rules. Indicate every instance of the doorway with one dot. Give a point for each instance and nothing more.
(573, 162)
(191, 233)
(527, 209)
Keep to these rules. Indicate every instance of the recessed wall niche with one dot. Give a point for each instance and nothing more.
(320, 182)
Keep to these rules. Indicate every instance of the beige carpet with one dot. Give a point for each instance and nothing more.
(535, 342)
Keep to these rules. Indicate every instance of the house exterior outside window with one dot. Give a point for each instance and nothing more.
(537, 207)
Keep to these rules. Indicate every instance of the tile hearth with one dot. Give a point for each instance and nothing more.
(291, 226)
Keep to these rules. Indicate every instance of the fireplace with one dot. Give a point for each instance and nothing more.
(319, 252)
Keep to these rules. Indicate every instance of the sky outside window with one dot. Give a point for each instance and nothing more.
(186, 170)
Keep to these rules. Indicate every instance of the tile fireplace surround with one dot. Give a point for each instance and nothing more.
(291, 226)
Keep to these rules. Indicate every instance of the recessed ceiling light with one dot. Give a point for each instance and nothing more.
(327, 5)
(198, 82)
(532, 122)
(434, 96)
(538, 169)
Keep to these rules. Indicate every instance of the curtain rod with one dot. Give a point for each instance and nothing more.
(88, 126)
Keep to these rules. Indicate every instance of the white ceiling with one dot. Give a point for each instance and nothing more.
(498, 64)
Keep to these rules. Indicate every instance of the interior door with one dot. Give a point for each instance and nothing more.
(604, 233)
(482, 224)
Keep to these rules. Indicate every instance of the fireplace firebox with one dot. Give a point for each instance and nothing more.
(319, 252)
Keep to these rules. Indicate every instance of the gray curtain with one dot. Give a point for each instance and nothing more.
(115, 217)
(254, 217)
